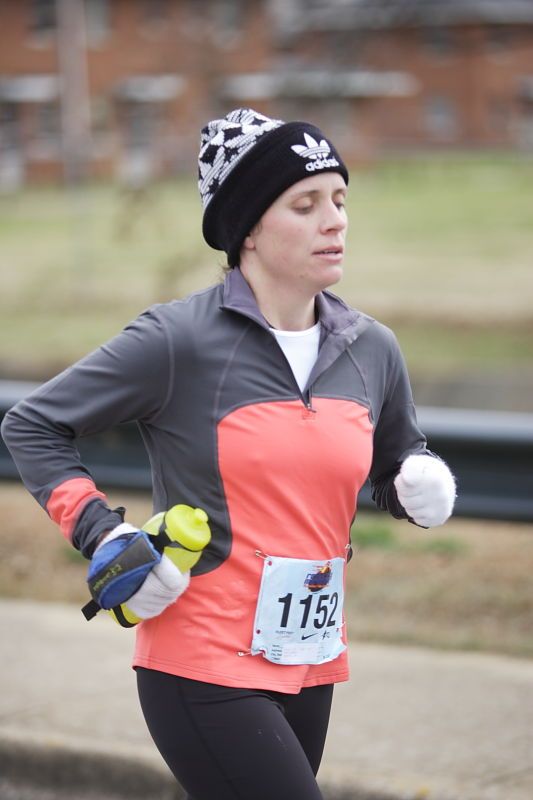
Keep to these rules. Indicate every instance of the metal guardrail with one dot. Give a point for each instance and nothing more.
(491, 454)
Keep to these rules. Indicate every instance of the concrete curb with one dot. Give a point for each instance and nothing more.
(65, 771)
(54, 766)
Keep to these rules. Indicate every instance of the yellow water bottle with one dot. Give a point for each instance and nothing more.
(181, 533)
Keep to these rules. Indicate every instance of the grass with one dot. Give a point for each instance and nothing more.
(438, 248)
(466, 586)
(445, 238)
(375, 534)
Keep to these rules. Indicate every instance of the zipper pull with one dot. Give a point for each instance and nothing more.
(308, 412)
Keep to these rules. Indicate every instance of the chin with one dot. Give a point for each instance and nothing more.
(331, 276)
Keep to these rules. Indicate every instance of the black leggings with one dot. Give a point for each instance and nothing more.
(237, 744)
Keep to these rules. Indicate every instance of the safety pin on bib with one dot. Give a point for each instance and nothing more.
(264, 556)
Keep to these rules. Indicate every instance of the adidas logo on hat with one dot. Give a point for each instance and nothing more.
(318, 152)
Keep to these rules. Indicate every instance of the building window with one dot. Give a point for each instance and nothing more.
(9, 127)
(98, 19)
(100, 115)
(439, 42)
(345, 47)
(153, 17)
(153, 12)
(498, 115)
(499, 40)
(441, 118)
(47, 123)
(228, 13)
(140, 125)
(227, 22)
(198, 8)
(46, 139)
(43, 18)
(523, 131)
(12, 155)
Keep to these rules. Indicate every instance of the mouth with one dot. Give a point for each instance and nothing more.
(331, 253)
(338, 249)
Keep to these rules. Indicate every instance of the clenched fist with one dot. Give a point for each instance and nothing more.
(426, 489)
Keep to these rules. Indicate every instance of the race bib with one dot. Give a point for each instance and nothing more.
(299, 619)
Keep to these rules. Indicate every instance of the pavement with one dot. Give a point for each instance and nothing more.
(411, 724)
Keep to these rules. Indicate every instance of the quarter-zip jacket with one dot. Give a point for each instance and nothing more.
(227, 429)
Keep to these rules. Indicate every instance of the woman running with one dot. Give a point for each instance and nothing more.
(266, 401)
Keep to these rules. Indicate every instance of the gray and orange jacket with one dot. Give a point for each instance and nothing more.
(227, 429)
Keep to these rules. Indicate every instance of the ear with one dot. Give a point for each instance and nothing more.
(249, 243)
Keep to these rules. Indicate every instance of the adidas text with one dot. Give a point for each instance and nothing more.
(323, 163)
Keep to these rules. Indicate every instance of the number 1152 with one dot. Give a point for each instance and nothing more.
(323, 613)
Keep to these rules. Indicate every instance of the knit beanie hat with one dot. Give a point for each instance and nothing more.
(246, 161)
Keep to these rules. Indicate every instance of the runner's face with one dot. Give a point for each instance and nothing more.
(300, 239)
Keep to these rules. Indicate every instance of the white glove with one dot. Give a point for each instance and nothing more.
(163, 584)
(426, 489)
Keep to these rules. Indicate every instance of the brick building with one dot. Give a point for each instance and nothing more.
(129, 89)
(468, 64)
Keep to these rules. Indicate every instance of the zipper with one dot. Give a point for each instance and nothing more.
(308, 410)
(307, 403)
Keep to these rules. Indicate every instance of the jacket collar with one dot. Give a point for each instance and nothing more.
(340, 324)
(238, 296)
(335, 316)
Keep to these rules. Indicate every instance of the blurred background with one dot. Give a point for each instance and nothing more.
(431, 104)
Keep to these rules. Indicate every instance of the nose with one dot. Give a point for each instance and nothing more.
(334, 218)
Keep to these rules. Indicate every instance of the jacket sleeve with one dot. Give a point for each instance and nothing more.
(124, 380)
(396, 431)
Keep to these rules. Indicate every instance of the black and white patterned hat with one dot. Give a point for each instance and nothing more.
(246, 161)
